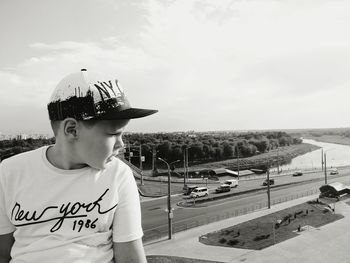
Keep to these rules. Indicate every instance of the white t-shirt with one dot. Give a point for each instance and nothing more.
(66, 215)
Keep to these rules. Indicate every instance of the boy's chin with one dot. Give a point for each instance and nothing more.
(99, 166)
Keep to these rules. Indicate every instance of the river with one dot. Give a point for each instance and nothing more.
(337, 155)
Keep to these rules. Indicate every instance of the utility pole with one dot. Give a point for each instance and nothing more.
(325, 168)
(129, 152)
(170, 210)
(184, 152)
(278, 161)
(237, 162)
(140, 152)
(154, 154)
(268, 185)
(186, 161)
(322, 159)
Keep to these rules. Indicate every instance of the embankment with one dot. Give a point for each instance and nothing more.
(281, 155)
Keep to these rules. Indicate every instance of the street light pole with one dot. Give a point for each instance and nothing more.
(187, 162)
(170, 212)
(278, 161)
(268, 185)
(184, 151)
(325, 164)
(237, 162)
(140, 155)
(325, 168)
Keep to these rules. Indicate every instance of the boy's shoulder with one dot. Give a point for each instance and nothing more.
(120, 169)
(120, 165)
(22, 158)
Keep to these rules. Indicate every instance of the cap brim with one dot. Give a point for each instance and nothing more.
(131, 113)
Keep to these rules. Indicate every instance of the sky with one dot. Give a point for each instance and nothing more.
(204, 64)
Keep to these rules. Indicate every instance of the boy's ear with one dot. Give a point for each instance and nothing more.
(70, 128)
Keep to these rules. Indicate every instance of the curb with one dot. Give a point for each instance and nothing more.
(146, 195)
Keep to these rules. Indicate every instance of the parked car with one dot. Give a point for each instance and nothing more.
(272, 181)
(297, 173)
(334, 171)
(187, 189)
(231, 182)
(199, 192)
(223, 188)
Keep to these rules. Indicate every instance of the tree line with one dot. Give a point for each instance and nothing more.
(202, 147)
(205, 147)
(15, 146)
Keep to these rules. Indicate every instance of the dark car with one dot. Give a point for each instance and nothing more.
(223, 188)
(188, 189)
(297, 173)
(272, 181)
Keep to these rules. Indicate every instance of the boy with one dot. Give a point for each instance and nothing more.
(74, 201)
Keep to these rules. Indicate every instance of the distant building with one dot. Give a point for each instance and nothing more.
(21, 136)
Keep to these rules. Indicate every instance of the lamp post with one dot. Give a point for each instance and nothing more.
(185, 154)
(237, 161)
(268, 185)
(170, 212)
(325, 168)
(141, 158)
(325, 165)
(184, 151)
(278, 161)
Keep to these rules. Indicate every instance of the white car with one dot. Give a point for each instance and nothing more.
(232, 182)
(199, 192)
(334, 171)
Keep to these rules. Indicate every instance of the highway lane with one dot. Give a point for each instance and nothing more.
(155, 221)
(153, 207)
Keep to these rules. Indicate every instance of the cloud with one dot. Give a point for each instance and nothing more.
(210, 64)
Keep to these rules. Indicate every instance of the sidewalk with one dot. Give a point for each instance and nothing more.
(329, 243)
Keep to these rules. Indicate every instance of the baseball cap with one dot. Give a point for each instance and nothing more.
(83, 98)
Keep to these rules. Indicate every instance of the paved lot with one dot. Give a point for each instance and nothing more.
(329, 243)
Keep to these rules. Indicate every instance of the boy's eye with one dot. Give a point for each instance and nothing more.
(114, 134)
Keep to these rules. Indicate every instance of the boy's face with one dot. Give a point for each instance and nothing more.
(97, 145)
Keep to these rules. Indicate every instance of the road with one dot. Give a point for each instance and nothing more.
(155, 221)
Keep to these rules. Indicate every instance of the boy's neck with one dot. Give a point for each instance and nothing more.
(62, 158)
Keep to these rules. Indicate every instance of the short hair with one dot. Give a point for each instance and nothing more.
(56, 124)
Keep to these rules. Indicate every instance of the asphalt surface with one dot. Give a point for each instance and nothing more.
(155, 216)
(329, 243)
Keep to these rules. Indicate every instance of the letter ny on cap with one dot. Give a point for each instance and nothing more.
(78, 97)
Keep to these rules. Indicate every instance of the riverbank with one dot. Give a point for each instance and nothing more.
(279, 156)
(337, 139)
(158, 185)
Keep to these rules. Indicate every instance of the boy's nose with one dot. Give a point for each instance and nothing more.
(118, 145)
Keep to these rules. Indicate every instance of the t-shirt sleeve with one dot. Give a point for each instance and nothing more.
(127, 219)
(6, 226)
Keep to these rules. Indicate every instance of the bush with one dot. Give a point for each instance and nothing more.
(222, 240)
(227, 232)
(261, 237)
(233, 242)
(286, 218)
